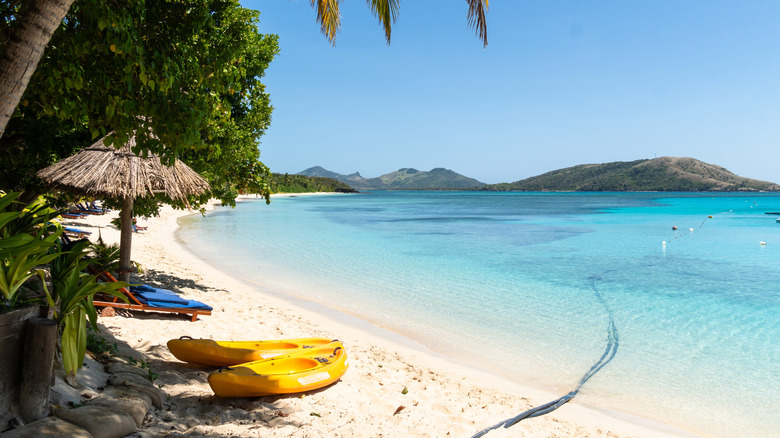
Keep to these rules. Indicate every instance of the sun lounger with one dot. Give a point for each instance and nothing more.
(75, 232)
(147, 298)
(73, 215)
(93, 206)
(86, 210)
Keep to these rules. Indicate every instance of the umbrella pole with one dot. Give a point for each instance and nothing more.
(126, 239)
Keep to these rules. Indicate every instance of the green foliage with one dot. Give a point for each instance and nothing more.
(24, 245)
(33, 141)
(105, 257)
(232, 165)
(98, 345)
(28, 242)
(144, 366)
(286, 183)
(183, 77)
(72, 292)
(74, 339)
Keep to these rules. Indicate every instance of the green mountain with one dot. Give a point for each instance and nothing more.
(660, 174)
(402, 179)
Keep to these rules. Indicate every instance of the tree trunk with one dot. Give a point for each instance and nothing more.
(25, 49)
(126, 238)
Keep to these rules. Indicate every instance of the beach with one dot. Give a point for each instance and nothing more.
(393, 387)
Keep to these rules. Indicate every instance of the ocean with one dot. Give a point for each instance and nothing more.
(526, 284)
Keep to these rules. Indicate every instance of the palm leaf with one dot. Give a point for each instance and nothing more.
(16, 270)
(477, 17)
(329, 17)
(74, 340)
(7, 198)
(11, 246)
(387, 12)
(8, 216)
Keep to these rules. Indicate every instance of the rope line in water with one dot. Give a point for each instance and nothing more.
(681, 235)
(609, 353)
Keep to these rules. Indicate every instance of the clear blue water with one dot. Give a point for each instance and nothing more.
(509, 280)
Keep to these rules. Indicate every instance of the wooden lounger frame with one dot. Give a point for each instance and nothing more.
(136, 304)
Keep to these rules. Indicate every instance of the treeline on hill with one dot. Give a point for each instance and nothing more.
(286, 183)
(659, 174)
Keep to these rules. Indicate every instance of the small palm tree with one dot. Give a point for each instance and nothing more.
(387, 11)
(105, 257)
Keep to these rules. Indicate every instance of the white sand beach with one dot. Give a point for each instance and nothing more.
(443, 398)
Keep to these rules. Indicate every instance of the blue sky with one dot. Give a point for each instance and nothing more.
(561, 83)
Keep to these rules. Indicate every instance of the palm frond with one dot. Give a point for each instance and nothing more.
(477, 17)
(387, 12)
(329, 17)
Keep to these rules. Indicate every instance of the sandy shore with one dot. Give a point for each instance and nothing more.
(443, 398)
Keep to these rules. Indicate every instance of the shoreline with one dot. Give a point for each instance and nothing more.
(444, 396)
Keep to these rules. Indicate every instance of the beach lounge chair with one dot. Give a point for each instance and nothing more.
(87, 210)
(147, 298)
(93, 206)
(75, 232)
(73, 215)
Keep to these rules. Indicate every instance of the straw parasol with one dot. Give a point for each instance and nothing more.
(105, 171)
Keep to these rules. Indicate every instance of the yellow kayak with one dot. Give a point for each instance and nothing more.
(313, 368)
(226, 353)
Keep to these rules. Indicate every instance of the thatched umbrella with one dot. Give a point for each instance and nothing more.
(104, 171)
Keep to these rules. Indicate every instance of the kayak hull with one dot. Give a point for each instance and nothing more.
(303, 371)
(227, 353)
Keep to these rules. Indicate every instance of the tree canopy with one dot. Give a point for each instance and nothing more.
(182, 77)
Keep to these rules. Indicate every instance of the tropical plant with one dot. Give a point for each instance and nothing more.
(71, 297)
(24, 246)
(105, 257)
(28, 240)
(98, 345)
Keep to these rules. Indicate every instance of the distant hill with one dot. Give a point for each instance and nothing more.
(402, 179)
(284, 183)
(658, 174)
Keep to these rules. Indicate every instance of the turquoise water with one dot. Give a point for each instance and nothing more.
(510, 280)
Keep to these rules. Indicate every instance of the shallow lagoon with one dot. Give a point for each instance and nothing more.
(509, 280)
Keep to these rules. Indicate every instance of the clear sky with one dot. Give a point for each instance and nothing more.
(561, 83)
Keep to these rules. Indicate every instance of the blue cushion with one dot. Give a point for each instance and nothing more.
(155, 297)
(161, 297)
(147, 288)
(188, 304)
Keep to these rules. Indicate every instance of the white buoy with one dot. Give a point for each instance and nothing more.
(690, 229)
